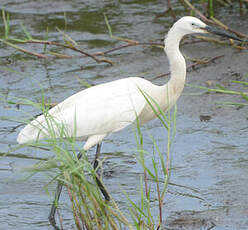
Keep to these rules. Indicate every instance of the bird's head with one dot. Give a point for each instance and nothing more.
(191, 25)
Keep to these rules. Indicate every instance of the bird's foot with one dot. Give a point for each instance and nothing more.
(52, 221)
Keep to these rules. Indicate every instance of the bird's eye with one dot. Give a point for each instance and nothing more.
(192, 24)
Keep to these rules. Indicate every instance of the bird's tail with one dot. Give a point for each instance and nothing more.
(34, 131)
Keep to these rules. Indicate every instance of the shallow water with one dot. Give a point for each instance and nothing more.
(210, 160)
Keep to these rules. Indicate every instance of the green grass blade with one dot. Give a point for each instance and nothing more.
(26, 32)
(241, 82)
(6, 24)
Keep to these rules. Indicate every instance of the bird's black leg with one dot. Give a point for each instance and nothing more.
(60, 186)
(54, 206)
(55, 202)
(99, 183)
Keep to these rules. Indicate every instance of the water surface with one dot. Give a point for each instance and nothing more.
(210, 160)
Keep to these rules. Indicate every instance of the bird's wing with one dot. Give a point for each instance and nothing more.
(105, 109)
(98, 110)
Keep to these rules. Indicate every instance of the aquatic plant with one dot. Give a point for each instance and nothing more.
(89, 208)
(242, 91)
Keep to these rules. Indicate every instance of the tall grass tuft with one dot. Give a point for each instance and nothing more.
(158, 174)
(89, 209)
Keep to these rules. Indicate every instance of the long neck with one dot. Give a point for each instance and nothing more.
(167, 94)
(176, 59)
(177, 66)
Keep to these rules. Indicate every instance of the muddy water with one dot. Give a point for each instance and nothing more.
(209, 181)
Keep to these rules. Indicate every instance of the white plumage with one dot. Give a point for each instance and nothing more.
(96, 112)
(110, 107)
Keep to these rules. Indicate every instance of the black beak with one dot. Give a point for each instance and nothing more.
(222, 33)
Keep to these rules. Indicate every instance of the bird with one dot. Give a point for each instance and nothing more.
(96, 112)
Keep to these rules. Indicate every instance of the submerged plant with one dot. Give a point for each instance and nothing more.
(242, 92)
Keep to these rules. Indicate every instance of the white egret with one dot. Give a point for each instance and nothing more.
(110, 107)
